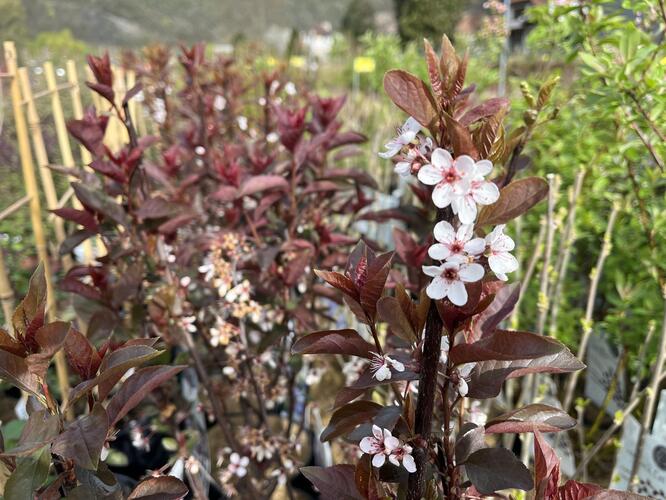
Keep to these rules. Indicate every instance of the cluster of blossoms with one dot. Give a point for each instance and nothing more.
(460, 184)
(382, 445)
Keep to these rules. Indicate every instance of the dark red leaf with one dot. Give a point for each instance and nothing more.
(334, 342)
(159, 488)
(81, 217)
(260, 183)
(515, 199)
(81, 355)
(531, 418)
(136, 388)
(334, 483)
(346, 418)
(411, 95)
(493, 469)
(83, 439)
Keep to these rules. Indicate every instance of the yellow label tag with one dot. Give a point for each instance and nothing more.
(297, 61)
(364, 64)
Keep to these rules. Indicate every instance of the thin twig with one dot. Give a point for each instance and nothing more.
(652, 396)
(595, 278)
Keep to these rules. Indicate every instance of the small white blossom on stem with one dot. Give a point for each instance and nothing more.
(403, 454)
(406, 134)
(443, 173)
(477, 189)
(381, 366)
(454, 243)
(416, 152)
(499, 258)
(238, 465)
(379, 445)
(444, 347)
(449, 280)
(463, 372)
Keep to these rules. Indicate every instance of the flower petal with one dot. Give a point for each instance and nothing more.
(392, 148)
(384, 373)
(444, 232)
(391, 442)
(457, 293)
(408, 463)
(503, 262)
(442, 195)
(466, 209)
(368, 445)
(432, 270)
(412, 125)
(475, 246)
(485, 193)
(463, 388)
(441, 158)
(439, 251)
(437, 289)
(465, 165)
(430, 175)
(398, 366)
(377, 432)
(394, 460)
(378, 460)
(471, 272)
(403, 168)
(465, 232)
(483, 167)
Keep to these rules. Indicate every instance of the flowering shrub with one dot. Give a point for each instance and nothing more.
(210, 229)
(57, 456)
(434, 344)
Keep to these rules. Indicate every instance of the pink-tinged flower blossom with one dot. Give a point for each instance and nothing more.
(381, 366)
(464, 372)
(449, 280)
(380, 444)
(455, 244)
(238, 465)
(444, 347)
(499, 258)
(476, 190)
(411, 163)
(403, 454)
(406, 134)
(444, 174)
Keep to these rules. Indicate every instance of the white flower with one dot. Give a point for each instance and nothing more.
(404, 167)
(454, 243)
(188, 322)
(478, 190)
(219, 103)
(449, 280)
(499, 258)
(381, 366)
(463, 373)
(403, 454)
(406, 134)
(242, 122)
(380, 444)
(444, 347)
(443, 173)
(238, 465)
(459, 183)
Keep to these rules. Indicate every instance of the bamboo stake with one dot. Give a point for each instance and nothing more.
(77, 107)
(63, 140)
(30, 181)
(41, 156)
(595, 277)
(6, 291)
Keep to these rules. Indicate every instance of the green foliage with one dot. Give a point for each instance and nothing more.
(57, 45)
(12, 20)
(359, 18)
(418, 19)
(611, 123)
